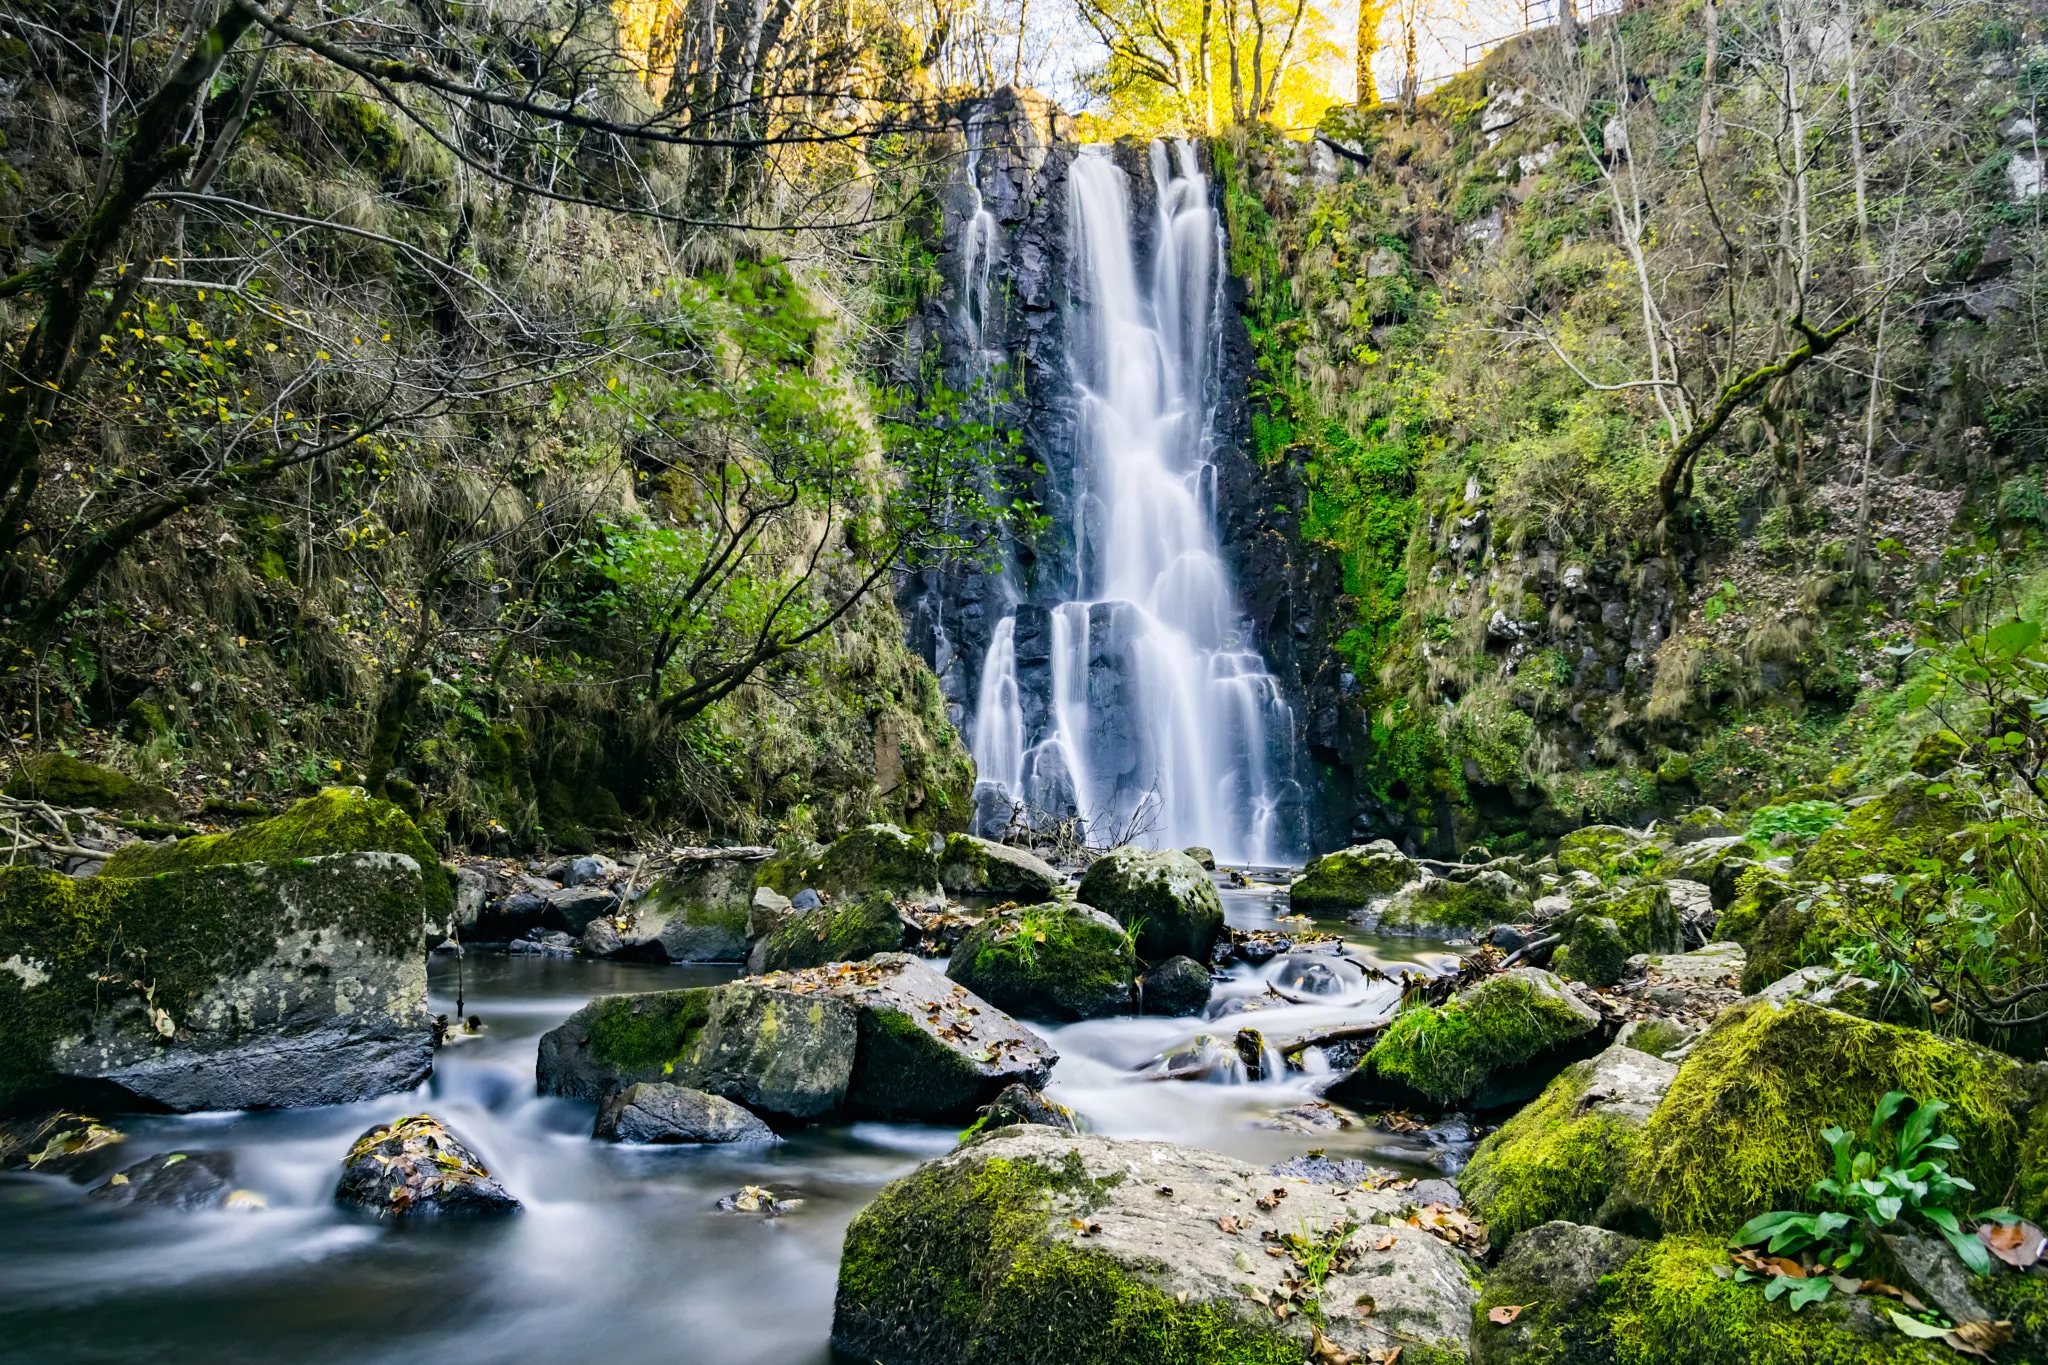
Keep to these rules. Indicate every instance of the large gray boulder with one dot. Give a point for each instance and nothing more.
(981, 867)
(780, 1053)
(1030, 1245)
(697, 911)
(1689, 989)
(656, 1112)
(239, 986)
(416, 1168)
(1163, 894)
(929, 1050)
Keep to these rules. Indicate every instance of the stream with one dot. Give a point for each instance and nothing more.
(621, 1255)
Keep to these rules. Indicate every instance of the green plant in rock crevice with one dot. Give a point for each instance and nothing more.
(1876, 1185)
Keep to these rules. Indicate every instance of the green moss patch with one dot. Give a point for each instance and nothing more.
(1164, 897)
(63, 780)
(337, 820)
(1049, 961)
(959, 1263)
(1550, 1161)
(1739, 1132)
(1447, 1052)
(878, 858)
(1670, 1304)
(847, 930)
(636, 1035)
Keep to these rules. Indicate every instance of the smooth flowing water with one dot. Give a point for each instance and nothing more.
(1162, 725)
(620, 1256)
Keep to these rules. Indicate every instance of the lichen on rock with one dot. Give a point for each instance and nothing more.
(970, 866)
(1030, 1246)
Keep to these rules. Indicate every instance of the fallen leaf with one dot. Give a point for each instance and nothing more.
(1979, 1338)
(1366, 1305)
(1323, 1351)
(2018, 1244)
(247, 1200)
(1506, 1313)
(1873, 1285)
(1228, 1222)
(1786, 1266)
(1385, 1243)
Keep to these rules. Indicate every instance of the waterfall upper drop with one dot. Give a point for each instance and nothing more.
(1138, 703)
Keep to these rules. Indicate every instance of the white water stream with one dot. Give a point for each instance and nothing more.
(1164, 726)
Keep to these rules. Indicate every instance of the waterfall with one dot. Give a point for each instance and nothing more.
(1161, 723)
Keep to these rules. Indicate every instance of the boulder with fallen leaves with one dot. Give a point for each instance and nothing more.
(1031, 1245)
(415, 1168)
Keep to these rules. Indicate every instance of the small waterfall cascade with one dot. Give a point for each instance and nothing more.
(1140, 704)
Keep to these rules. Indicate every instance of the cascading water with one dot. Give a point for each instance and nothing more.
(1161, 725)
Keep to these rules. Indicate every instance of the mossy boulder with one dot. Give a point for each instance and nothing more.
(336, 820)
(1776, 923)
(1497, 1042)
(1595, 951)
(295, 982)
(783, 1054)
(1566, 1154)
(1051, 961)
(886, 1038)
(1738, 1133)
(1554, 1275)
(928, 1051)
(1674, 1302)
(1179, 986)
(1030, 1246)
(844, 930)
(788, 870)
(1351, 878)
(1163, 895)
(2030, 1196)
(696, 912)
(878, 859)
(62, 780)
(981, 867)
(1437, 907)
(1910, 822)
(1606, 850)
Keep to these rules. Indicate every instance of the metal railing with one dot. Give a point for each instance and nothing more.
(1536, 16)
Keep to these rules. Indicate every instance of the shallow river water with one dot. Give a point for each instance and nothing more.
(621, 1256)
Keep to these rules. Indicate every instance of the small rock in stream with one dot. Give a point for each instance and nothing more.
(172, 1180)
(415, 1167)
(757, 1199)
(653, 1111)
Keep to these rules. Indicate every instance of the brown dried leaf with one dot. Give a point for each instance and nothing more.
(2018, 1244)
(1385, 1243)
(1979, 1338)
(1324, 1351)
(1228, 1222)
(1506, 1313)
